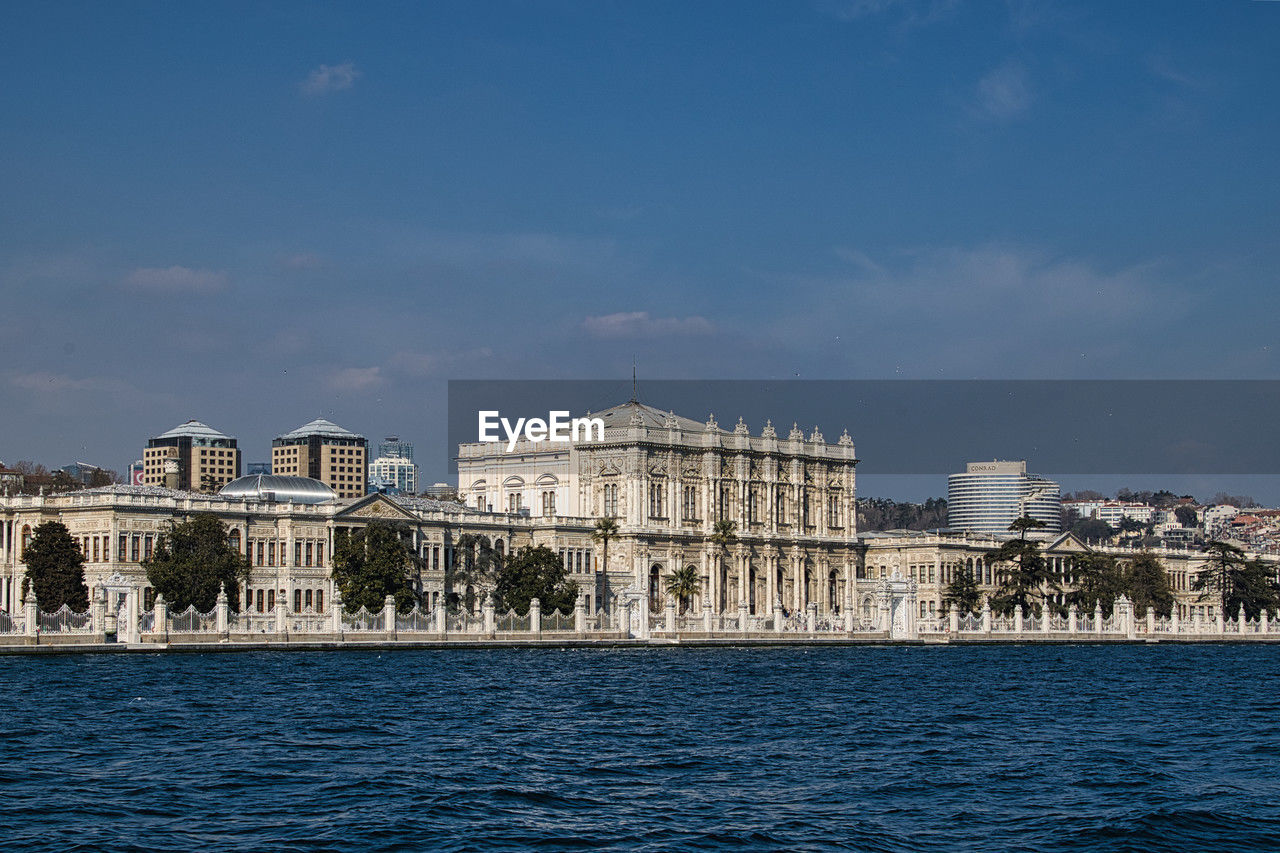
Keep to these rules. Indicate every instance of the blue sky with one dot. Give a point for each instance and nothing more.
(255, 214)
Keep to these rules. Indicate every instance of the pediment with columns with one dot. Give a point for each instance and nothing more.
(376, 506)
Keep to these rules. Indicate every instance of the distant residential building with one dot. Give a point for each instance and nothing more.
(989, 496)
(324, 451)
(191, 457)
(1113, 512)
(81, 472)
(393, 472)
(439, 490)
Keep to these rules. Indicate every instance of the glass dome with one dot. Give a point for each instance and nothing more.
(271, 487)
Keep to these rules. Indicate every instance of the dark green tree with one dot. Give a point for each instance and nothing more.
(1147, 584)
(1092, 530)
(55, 567)
(962, 592)
(194, 559)
(372, 563)
(534, 572)
(1230, 581)
(684, 584)
(1256, 589)
(474, 571)
(1099, 580)
(1186, 516)
(1026, 579)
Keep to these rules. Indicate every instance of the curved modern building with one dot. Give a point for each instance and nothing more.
(988, 496)
(273, 487)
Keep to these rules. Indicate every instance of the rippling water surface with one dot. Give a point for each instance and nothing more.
(1035, 748)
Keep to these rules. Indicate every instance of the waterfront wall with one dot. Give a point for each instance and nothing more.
(160, 627)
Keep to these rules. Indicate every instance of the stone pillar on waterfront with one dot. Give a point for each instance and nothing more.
(1262, 621)
(642, 601)
(442, 618)
(744, 616)
(1220, 618)
(389, 616)
(281, 625)
(1173, 618)
(811, 617)
(335, 611)
(1046, 617)
(1017, 618)
(1097, 617)
(490, 619)
(624, 616)
(706, 616)
(134, 610)
(98, 609)
(1151, 620)
(953, 619)
(1240, 621)
(670, 615)
(580, 615)
(221, 606)
(535, 618)
(849, 616)
(30, 613)
(160, 618)
(1073, 619)
(986, 615)
(1130, 619)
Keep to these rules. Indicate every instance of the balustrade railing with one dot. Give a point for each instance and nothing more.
(557, 621)
(192, 621)
(64, 620)
(363, 620)
(513, 622)
(415, 620)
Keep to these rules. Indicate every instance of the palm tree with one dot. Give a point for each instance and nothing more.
(723, 533)
(606, 528)
(683, 584)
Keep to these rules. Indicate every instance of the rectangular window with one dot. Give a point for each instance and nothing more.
(297, 553)
(147, 544)
(309, 556)
(271, 553)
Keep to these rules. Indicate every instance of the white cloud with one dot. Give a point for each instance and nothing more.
(356, 379)
(638, 324)
(421, 365)
(1004, 92)
(330, 78)
(175, 279)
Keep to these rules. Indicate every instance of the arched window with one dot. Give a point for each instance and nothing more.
(234, 540)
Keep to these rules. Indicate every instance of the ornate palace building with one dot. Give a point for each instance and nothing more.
(666, 480)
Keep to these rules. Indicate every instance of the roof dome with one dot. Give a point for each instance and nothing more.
(272, 487)
(322, 427)
(194, 429)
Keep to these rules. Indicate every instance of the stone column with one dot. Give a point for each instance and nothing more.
(643, 616)
(706, 616)
(770, 581)
(31, 613)
(1240, 621)
(535, 618)
(1151, 621)
(624, 616)
(580, 615)
(1173, 618)
(744, 616)
(953, 619)
(98, 610)
(811, 617)
(848, 616)
(335, 611)
(1046, 618)
(986, 615)
(1262, 621)
(1097, 617)
(389, 616)
(132, 634)
(670, 615)
(1017, 619)
(442, 618)
(221, 607)
(777, 617)
(160, 618)
(1221, 620)
(490, 618)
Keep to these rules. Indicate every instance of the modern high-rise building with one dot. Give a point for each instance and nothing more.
(324, 451)
(192, 457)
(989, 496)
(397, 473)
(393, 446)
